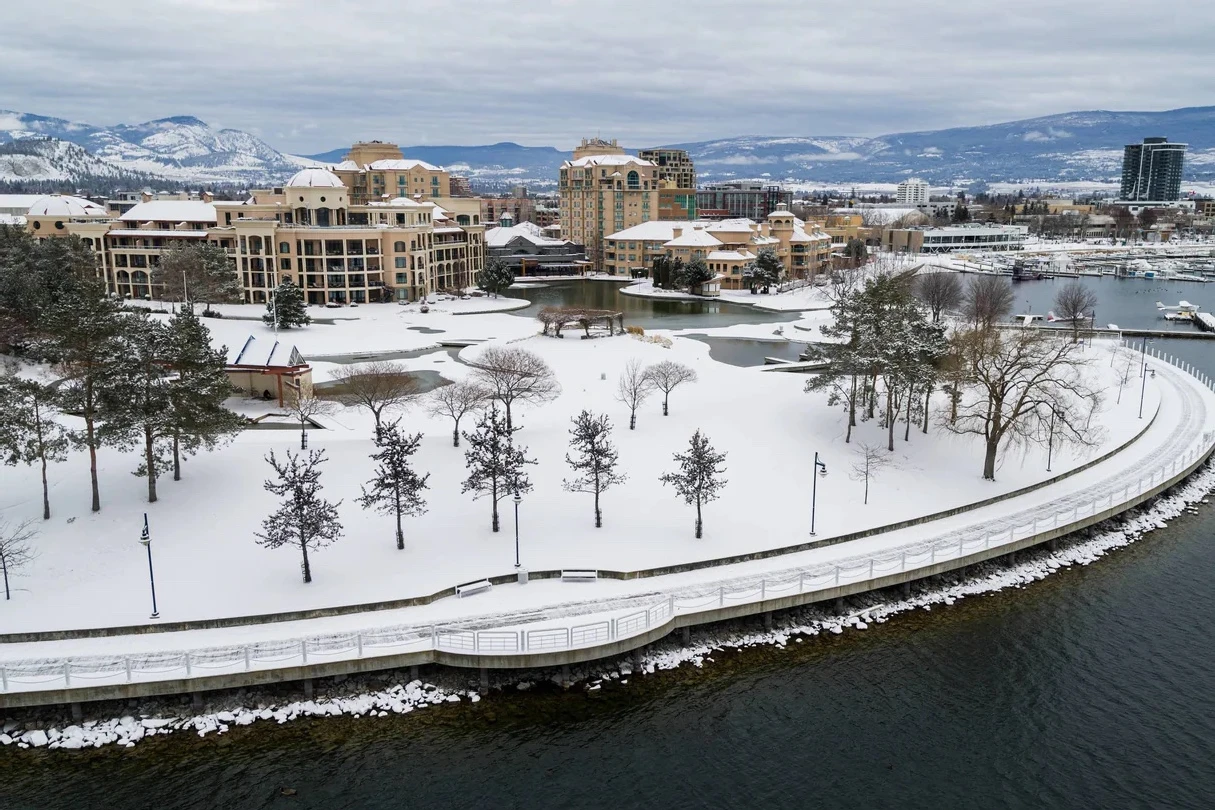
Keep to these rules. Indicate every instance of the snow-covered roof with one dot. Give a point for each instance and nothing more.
(800, 235)
(694, 237)
(400, 202)
(883, 216)
(155, 232)
(730, 255)
(607, 160)
(501, 237)
(393, 165)
(63, 205)
(732, 225)
(12, 219)
(656, 230)
(171, 211)
(265, 353)
(15, 203)
(315, 178)
(347, 166)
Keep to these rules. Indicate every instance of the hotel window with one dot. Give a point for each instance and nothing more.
(284, 247)
(400, 262)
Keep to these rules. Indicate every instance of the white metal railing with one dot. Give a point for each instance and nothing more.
(924, 555)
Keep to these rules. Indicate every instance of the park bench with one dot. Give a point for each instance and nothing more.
(579, 576)
(473, 587)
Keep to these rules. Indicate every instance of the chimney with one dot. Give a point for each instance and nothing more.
(208, 196)
(765, 229)
(146, 196)
(677, 231)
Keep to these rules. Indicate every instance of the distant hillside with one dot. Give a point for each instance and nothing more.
(47, 160)
(1068, 147)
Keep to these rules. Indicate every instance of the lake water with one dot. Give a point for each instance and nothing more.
(1092, 689)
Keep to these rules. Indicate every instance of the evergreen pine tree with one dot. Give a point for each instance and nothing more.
(287, 305)
(698, 480)
(396, 489)
(594, 464)
(495, 464)
(198, 272)
(29, 432)
(83, 332)
(304, 518)
(136, 398)
(198, 419)
(496, 277)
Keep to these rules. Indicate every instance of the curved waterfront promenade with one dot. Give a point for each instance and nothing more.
(615, 616)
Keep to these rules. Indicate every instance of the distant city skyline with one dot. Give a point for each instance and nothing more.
(310, 79)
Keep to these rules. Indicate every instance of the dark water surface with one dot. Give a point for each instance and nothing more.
(648, 313)
(1092, 689)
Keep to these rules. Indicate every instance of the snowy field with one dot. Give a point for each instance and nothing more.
(91, 570)
(803, 298)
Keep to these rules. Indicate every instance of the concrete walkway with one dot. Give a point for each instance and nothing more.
(553, 622)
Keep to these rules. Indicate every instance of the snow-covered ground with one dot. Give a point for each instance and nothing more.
(91, 571)
(800, 299)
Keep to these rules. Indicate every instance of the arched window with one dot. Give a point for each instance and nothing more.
(399, 247)
(634, 180)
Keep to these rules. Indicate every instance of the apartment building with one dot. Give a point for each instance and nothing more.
(1151, 171)
(741, 200)
(374, 171)
(308, 232)
(674, 166)
(912, 191)
(728, 246)
(604, 192)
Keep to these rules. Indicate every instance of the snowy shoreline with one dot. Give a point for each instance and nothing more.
(405, 697)
(803, 299)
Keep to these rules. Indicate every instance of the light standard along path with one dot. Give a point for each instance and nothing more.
(1178, 439)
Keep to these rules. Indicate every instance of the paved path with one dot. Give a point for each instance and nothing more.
(611, 615)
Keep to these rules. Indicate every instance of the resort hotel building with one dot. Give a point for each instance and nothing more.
(309, 232)
(727, 246)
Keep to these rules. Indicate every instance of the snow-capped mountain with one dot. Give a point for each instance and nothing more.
(181, 148)
(37, 159)
(1069, 147)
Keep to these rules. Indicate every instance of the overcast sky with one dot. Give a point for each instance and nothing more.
(313, 75)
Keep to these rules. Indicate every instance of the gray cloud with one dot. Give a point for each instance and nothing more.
(315, 76)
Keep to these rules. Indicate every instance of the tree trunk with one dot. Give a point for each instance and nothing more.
(91, 440)
(303, 435)
(46, 498)
(633, 419)
(176, 454)
(400, 534)
(494, 501)
(598, 516)
(307, 567)
(852, 407)
(927, 401)
(890, 420)
(149, 458)
(665, 397)
(699, 522)
(376, 414)
(455, 434)
(509, 425)
(989, 460)
(866, 487)
(4, 565)
(907, 428)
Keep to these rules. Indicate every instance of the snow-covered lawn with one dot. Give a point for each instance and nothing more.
(802, 298)
(91, 570)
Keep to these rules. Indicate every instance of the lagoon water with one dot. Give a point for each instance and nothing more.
(1092, 689)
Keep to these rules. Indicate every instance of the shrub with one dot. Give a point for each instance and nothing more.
(635, 330)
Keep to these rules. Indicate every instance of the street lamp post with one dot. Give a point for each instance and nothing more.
(1050, 443)
(145, 538)
(820, 469)
(518, 500)
(1142, 391)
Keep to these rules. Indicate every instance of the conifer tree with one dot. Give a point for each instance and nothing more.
(698, 479)
(496, 277)
(83, 332)
(136, 398)
(594, 464)
(29, 432)
(304, 518)
(495, 464)
(202, 272)
(396, 489)
(286, 305)
(198, 419)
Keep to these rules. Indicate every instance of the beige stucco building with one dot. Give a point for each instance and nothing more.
(603, 190)
(376, 171)
(727, 246)
(308, 232)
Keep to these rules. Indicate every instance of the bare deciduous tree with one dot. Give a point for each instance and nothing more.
(303, 406)
(871, 459)
(1015, 377)
(940, 292)
(456, 401)
(514, 375)
(633, 387)
(15, 551)
(667, 376)
(380, 386)
(987, 300)
(1075, 302)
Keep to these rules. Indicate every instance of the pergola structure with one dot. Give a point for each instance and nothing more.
(554, 319)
